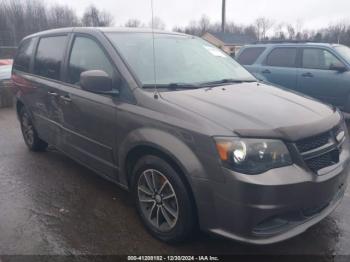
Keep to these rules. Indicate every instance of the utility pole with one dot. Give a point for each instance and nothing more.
(223, 18)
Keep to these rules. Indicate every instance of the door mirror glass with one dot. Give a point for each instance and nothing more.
(96, 81)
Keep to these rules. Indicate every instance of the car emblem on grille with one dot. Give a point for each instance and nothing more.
(340, 136)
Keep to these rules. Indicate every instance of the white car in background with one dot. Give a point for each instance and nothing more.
(6, 95)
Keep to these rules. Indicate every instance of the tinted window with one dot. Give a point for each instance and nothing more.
(318, 59)
(87, 55)
(283, 57)
(24, 53)
(250, 55)
(49, 56)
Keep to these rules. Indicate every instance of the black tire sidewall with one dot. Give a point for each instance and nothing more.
(38, 144)
(185, 222)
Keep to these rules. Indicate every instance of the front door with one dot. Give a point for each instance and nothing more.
(89, 120)
(317, 79)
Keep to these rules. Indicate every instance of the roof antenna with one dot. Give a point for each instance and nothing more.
(156, 95)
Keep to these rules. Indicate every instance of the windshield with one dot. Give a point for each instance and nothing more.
(179, 59)
(344, 51)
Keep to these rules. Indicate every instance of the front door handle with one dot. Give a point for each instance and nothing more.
(66, 98)
(52, 94)
(266, 71)
(308, 74)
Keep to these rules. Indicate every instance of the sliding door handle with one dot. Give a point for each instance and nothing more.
(66, 98)
(266, 71)
(308, 74)
(52, 94)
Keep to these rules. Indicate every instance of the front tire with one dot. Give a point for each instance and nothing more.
(163, 202)
(30, 135)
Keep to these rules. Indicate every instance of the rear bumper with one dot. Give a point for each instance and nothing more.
(270, 207)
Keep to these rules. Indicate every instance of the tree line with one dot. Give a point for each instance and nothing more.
(267, 29)
(19, 18)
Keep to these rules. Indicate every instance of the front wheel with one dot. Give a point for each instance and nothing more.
(162, 199)
(30, 135)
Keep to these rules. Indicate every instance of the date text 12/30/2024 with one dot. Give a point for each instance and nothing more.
(173, 258)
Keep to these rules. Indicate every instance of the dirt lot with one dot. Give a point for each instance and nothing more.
(51, 205)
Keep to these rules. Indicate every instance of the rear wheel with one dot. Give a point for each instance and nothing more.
(29, 133)
(162, 199)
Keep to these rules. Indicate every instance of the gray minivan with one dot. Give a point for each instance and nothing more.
(319, 70)
(195, 138)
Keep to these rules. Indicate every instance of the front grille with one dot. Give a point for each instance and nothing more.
(319, 157)
(314, 142)
(322, 161)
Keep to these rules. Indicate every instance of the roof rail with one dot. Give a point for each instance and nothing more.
(283, 41)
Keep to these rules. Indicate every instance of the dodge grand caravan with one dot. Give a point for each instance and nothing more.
(195, 138)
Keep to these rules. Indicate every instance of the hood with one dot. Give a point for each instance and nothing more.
(258, 110)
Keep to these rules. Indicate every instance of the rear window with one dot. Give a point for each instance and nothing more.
(49, 56)
(250, 55)
(282, 57)
(24, 53)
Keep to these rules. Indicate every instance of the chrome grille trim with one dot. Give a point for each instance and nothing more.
(327, 152)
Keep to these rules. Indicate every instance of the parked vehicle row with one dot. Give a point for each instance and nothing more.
(6, 95)
(319, 70)
(193, 135)
(6, 62)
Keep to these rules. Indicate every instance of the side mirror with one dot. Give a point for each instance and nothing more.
(97, 81)
(338, 67)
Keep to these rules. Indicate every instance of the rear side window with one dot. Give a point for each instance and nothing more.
(49, 56)
(250, 55)
(282, 57)
(24, 53)
(87, 55)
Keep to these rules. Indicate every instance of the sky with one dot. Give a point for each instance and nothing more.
(311, 14)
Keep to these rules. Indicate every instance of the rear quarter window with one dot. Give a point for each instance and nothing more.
(49, 56)
(250, 55)
(24, 54)
(282, 57)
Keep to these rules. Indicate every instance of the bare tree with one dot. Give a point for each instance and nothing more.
(262, 26)
(279, 32)
(291, 32)
(204, 24)
(336, 32)
(157, 23)
(62, 16)
(133, 23)
(94, 17)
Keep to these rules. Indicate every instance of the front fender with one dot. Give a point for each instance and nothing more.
(167, 143)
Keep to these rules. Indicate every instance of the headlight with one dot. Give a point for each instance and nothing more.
(252, 156)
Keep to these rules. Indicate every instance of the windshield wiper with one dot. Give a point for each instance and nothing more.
(173, 86)
(226, 81)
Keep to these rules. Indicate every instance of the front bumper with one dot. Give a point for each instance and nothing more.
(270, 207)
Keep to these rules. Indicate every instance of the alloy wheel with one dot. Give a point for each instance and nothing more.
(157, 199)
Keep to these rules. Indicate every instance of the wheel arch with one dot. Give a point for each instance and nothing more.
(164, 145)
(151, 140)
(137, 152)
